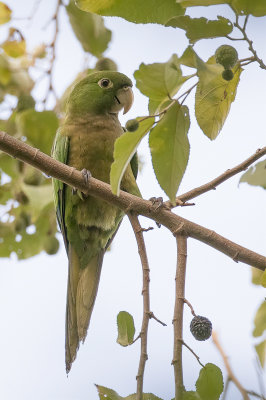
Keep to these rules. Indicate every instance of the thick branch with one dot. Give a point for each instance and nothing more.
(180, 279)
(217, 181)
(128, 202)
(230, 373)
(146, 301)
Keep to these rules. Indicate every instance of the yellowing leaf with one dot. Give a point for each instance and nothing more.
(201, 28)
(126, 328)
(214, 96)
(15, 45)
(260, 320)
(263, 280)
(261, 351)
(256, 276)
(138, 11)
(256, 175)
(125, 148)
(5, 13)
(169, 147)
(39, 197)
(89, 29)
(5, 73)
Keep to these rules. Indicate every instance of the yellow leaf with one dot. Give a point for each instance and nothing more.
(5, 13)
(15, 45)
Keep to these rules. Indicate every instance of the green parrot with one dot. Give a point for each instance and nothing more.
(85, 141)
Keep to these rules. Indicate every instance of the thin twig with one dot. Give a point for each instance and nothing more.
(193, 352)
(246, 38)
(230, 373)
(217, 181)
(146, 301)
(125, 201)
(151, 315)
(180, 279)
(52, 47)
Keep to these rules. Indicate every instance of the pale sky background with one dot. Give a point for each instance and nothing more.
(33, 292)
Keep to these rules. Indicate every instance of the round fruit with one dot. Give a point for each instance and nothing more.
(132, 125)
(201, 328)
(227, 74)
(226, 56)
(105, 64)
(51, 245)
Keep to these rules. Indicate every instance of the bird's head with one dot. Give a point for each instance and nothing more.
(100, 93)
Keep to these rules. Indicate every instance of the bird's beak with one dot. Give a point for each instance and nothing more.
(125, 97)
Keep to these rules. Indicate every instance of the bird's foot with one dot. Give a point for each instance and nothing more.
(86, 175)
(157, 202)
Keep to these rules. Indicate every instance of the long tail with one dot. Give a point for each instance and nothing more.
(81, 294)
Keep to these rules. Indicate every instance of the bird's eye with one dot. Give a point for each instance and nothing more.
(105, 83)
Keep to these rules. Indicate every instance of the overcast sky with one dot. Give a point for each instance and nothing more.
(33, 292)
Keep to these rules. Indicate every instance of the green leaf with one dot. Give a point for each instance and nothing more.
(261, 351)
(107, 394)
(170, 148)
(190, 58)
(256, 276)
(210, 382)
(124, 149)
(5, 13)
(39, 197)
(190, 395)
(5, 73)
(146, 396)
(201, 28)
(138, 11)
(260, 320)
(242, 7)
(89, 29)
(6, 192)
(263, 279)
(9, 165)
(38, 127)
(214, 96)
(126, 328)
(159, 80)
(256, 175)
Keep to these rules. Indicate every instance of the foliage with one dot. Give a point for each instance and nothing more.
(28, 225)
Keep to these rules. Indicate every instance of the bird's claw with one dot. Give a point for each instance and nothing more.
(157, 202)
(86, 175)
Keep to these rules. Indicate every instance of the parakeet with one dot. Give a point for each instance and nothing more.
(86, 141)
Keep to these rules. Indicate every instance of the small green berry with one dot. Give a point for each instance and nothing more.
(228, 74)
(105, 64)
(227, 56)
(201, 328)
(132, 125)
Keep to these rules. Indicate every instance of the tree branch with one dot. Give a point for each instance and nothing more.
(146, 301)
(231, 375)
(180, 279)
(128, 202)
(217, 181)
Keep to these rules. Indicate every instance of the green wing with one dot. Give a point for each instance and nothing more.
(60, 152)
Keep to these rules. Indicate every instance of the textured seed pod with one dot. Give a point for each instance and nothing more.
(132, 125)
(227, 74)
(201, 328)
(226, 56)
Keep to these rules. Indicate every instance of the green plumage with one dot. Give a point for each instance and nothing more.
(86, 141)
